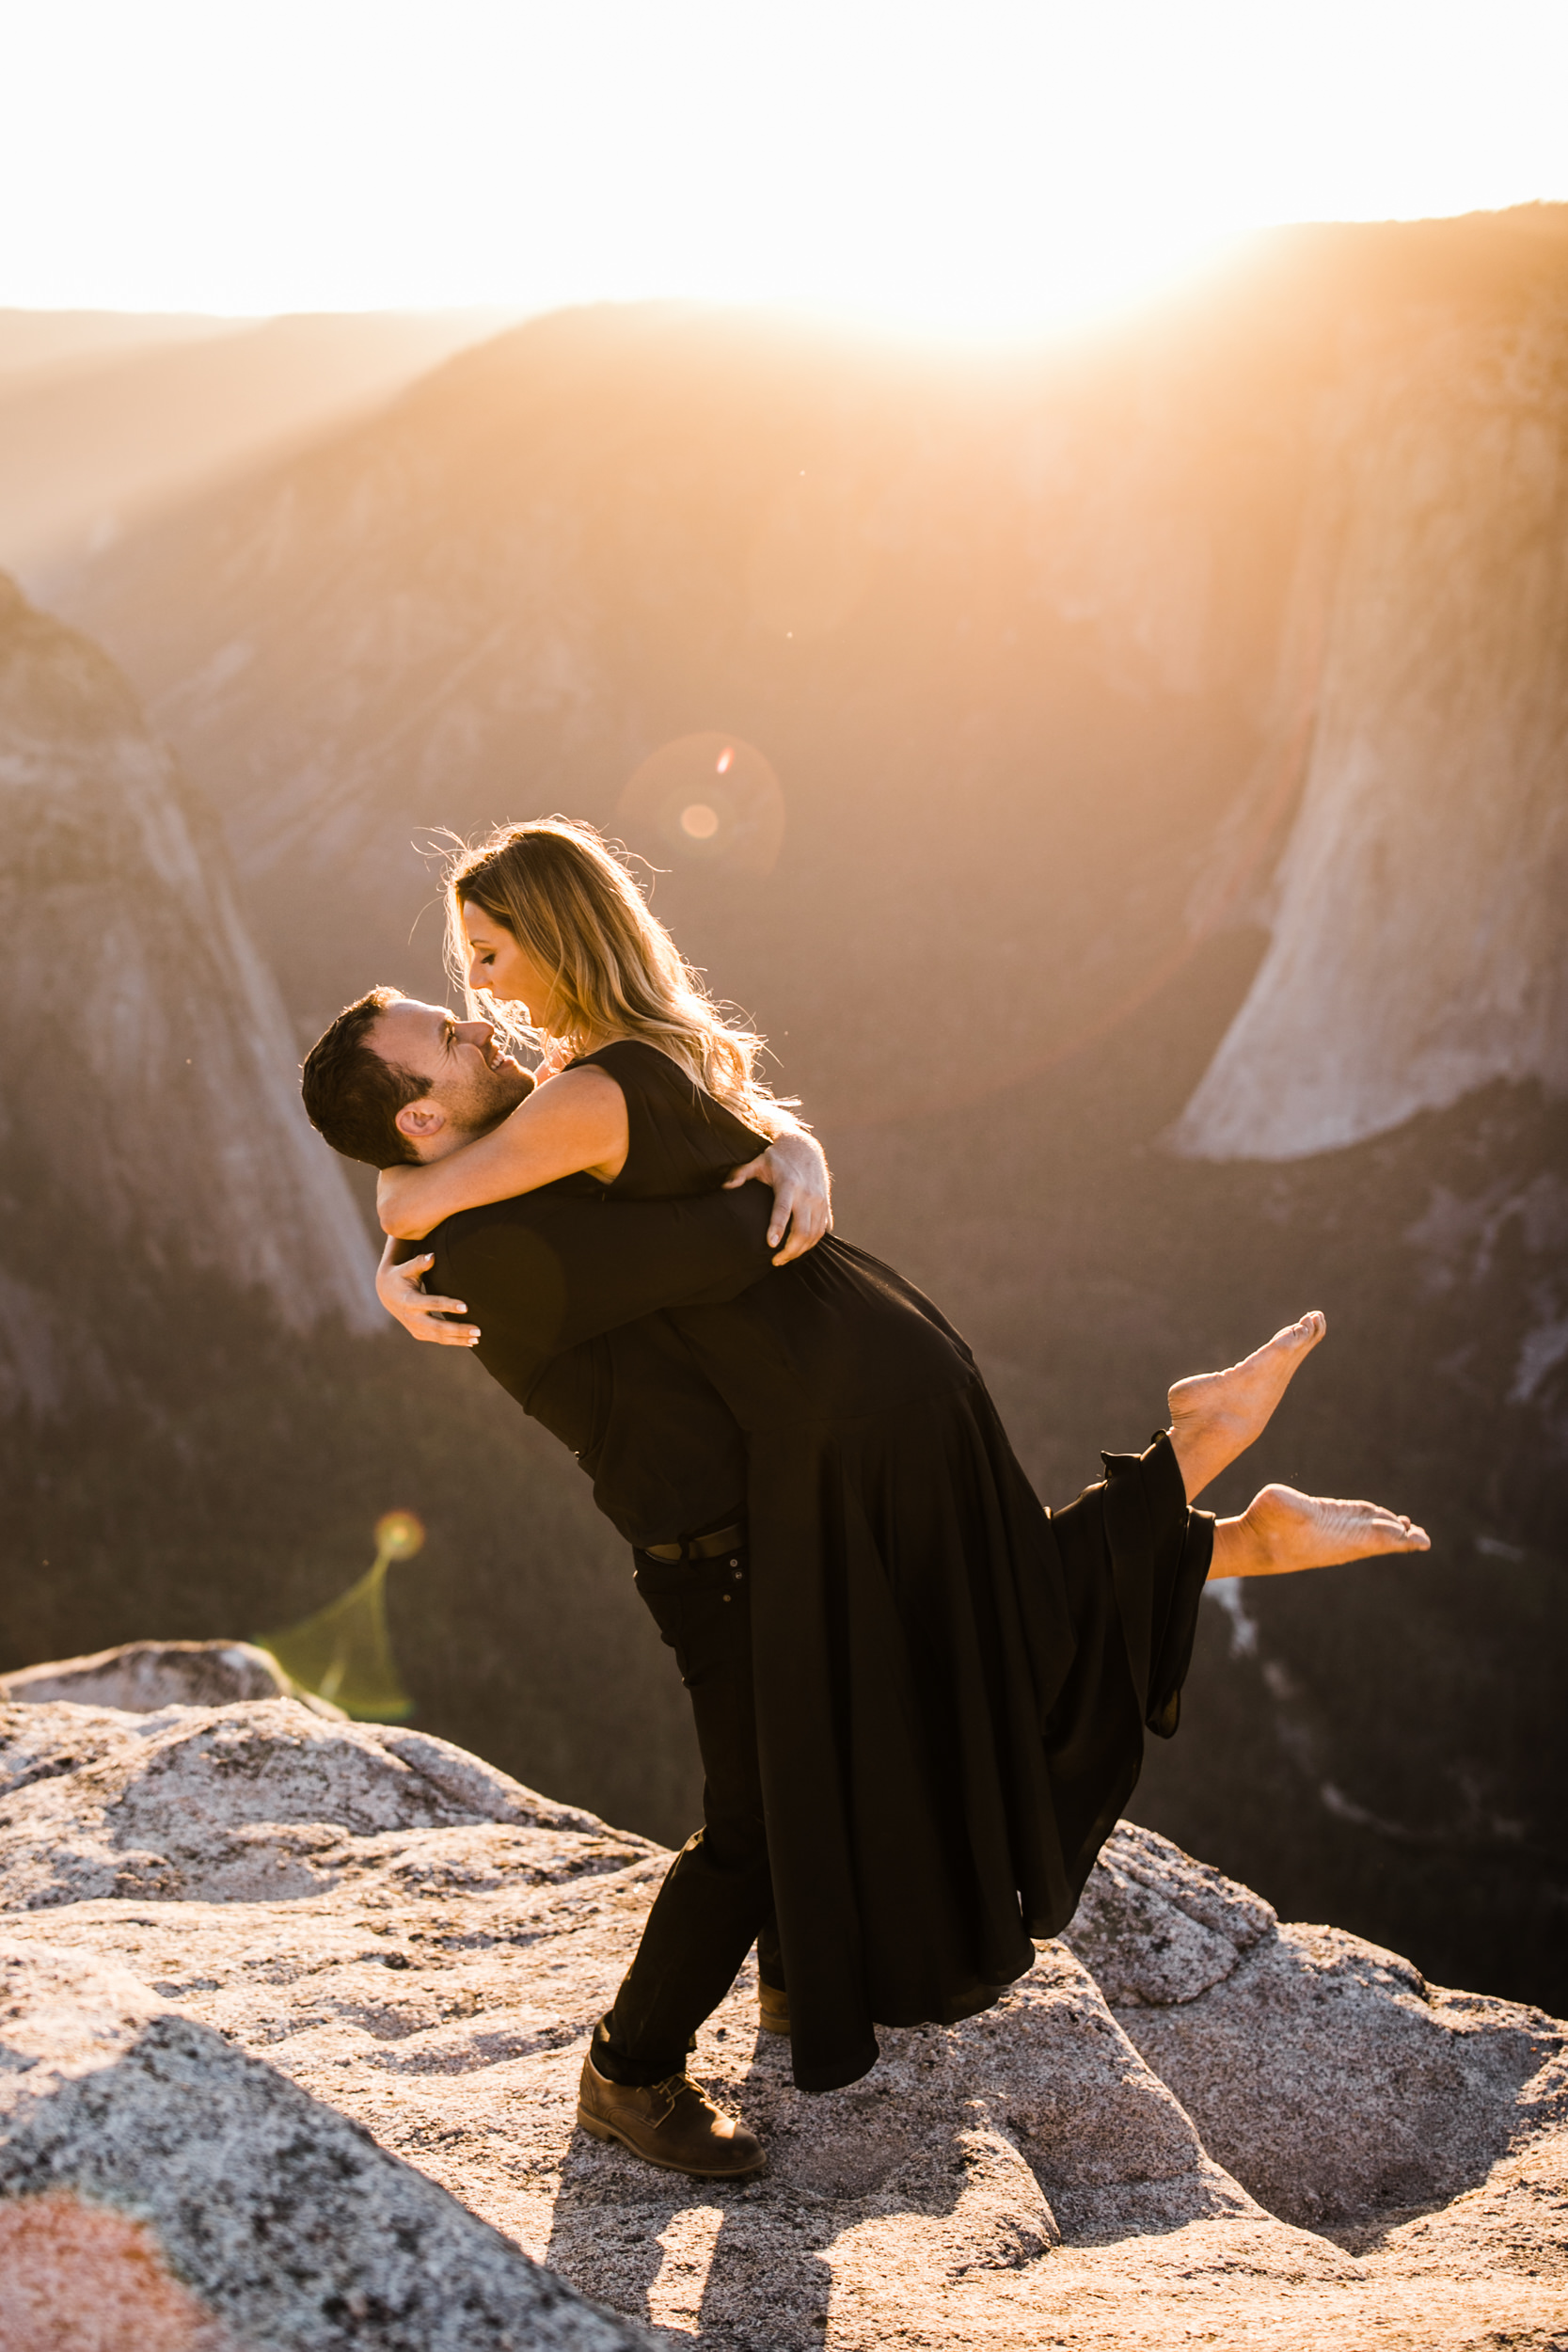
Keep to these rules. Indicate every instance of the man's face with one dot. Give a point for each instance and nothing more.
(472, 1083)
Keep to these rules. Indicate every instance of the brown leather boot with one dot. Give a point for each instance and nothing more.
(774, 2008)
(673, 2123)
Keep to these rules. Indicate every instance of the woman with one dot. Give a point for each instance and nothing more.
(950, 1684)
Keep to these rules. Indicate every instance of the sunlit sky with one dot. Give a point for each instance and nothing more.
(974, 168)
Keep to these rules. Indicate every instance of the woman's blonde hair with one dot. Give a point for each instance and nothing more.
(567, 897)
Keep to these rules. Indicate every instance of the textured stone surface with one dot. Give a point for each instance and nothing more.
(139, 1678)
(424, 1945)
(93, 2280)
(1379, 2093)
(255, 1801)
(1324, 2072)
(277, 2219)
(1156, 1927)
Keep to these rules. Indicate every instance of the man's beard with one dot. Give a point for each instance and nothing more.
(482, 1107)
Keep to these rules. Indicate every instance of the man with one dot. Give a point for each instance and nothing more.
(570, 1293)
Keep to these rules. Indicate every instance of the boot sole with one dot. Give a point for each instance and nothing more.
(601, 2130)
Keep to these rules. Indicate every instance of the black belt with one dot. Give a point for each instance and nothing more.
(699, 1546)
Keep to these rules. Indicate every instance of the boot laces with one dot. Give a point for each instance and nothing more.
(670, 2090)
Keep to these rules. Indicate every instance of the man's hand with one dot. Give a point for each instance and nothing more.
(398, 1287)
(796, 1166)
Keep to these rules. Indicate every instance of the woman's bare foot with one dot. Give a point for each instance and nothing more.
(1281, 1530)
(1216, 1415)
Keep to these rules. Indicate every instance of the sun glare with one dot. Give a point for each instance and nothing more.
(990, 169)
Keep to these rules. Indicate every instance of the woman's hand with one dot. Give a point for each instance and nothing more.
(398, 1287)
(796, 1166)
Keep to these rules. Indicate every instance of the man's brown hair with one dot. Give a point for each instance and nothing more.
(354, 1095)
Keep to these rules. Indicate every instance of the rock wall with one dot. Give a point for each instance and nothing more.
(287, 1960)
(150, 1078)
(1418, 949)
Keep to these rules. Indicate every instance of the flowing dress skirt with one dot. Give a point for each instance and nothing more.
(952, 1683)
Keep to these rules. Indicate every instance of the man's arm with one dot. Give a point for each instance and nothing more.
(540, 1274)
(794, 1167)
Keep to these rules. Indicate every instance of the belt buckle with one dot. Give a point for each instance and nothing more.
(711, 1547)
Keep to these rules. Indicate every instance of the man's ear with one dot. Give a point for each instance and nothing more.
(420, 1121)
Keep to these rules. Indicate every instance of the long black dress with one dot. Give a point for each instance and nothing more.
(952, 1684)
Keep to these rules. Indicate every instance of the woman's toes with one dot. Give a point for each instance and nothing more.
(1297, 1530)
(1305, 1331)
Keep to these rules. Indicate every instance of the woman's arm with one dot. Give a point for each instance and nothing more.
(578, 1121)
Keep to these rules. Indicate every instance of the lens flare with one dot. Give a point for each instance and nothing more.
(711, 799)
(399, 1534)
(343, 1653)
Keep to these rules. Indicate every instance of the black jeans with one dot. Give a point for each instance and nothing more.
(717, 1899)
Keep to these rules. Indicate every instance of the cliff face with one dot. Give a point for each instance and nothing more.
(1162, 740)
(1417, 946)
(152, 1109)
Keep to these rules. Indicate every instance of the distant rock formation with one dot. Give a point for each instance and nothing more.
(1418, 943)
(151, 1077)
(998, 637)
(228, 1930)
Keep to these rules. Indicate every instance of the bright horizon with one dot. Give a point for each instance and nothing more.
(984, 170)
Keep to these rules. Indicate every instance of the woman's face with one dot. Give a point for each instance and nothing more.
(498, 964)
